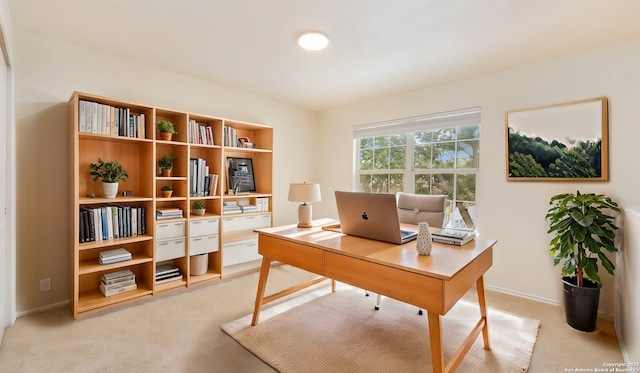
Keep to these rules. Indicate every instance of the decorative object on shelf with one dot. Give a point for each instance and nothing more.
(303, 192)
(198, 208)
(240, 175)
(111, 173)
(424, 242)
(166, 190)
(562, 142)
(166, 164)
(584, 229)
(166, 129)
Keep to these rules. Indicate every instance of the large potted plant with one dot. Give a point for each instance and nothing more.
(584, 230)
(111, 173)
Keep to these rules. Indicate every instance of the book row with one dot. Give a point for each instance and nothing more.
(98, 223)
(108, 120)
(202, 182)
(200, 134)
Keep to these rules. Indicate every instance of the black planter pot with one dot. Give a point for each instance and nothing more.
(581, 303)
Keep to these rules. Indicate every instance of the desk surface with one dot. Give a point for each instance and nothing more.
(444, 262)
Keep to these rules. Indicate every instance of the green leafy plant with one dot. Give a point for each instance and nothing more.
(197, 205)
(110, 172)
(166, 188)
(166, 162)
(584, 231)
(165, 126)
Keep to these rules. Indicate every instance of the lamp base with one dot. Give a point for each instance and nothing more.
(304, 216)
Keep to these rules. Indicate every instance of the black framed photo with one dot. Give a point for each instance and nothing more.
(240, 175)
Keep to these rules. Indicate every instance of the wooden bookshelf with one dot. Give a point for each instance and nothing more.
(138, 148)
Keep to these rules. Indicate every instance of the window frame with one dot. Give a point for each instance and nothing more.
(409, 127)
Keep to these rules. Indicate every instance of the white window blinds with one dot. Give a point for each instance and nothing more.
(448, 119)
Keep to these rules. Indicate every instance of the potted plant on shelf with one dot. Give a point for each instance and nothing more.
(111, 174)
(166, 164)
(166, 190)
(198, 208)
(584, 230)
(166, 129)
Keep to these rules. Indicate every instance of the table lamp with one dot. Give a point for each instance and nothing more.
(303, 192)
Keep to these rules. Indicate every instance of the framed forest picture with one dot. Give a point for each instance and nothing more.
(558, 142)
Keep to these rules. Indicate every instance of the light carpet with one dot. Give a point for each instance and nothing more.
(320, 331)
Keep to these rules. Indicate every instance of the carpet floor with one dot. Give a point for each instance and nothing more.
(320, 331)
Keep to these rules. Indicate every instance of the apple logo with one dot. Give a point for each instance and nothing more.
(364, 216)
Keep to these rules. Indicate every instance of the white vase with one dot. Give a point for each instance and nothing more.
(424, 243)
(109, 189)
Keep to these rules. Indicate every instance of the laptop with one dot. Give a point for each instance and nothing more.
(371, 215)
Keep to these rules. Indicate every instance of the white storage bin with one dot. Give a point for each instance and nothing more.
(170, 229)
(170, 249)
(203, 244)
(203, 227)
(240, 251)
(246, 222)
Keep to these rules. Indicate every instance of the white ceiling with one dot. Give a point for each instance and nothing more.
(378, 47)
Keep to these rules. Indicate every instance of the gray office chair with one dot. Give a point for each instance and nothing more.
(416, 208)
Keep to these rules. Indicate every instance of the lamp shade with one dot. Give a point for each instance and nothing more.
(303, 192)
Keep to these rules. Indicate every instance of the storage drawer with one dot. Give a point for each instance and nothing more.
(170, 249)
(203, 244)
(240, 251)
(168, 230)
(246, 222)
(203, 227)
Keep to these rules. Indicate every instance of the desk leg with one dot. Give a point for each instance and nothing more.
(262, 283)
(482, 301)
(435, 335)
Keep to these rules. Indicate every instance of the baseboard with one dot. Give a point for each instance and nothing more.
(45, 308)
(605, 316)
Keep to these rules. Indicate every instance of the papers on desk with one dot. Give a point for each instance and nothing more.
(453, 236)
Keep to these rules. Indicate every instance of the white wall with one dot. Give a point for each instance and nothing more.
(513, 212)
(47, 72)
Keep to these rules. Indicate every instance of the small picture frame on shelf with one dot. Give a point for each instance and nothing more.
(240, 175)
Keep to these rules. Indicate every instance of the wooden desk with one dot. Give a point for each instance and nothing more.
(435, 282)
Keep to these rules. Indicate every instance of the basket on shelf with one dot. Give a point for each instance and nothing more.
(199, 264)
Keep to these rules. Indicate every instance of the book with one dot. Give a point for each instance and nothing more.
(116, 274)
(114, 253)
(167, 268)
(119, 284)
(108, 293)
(452, 236)
(118, 280)
(169, 279)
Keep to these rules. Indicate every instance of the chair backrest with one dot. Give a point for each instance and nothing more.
(415, 208)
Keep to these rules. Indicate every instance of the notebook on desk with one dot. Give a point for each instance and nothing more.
(371, 215)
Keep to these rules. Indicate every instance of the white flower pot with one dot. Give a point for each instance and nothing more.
(109, 189)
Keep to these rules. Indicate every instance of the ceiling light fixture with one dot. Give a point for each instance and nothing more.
(313, 41)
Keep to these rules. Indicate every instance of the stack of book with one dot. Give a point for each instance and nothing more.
(453, 236)
(231, 208)
(249, 208)
(166, 273)
(114, 256)
(117, 282)
(168, 213)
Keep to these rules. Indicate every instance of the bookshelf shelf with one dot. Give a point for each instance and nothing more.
(116, 130)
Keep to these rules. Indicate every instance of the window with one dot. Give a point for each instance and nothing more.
(433, 154)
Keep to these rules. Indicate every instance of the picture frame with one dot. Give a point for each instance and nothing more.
(240, 175)
(562, 142)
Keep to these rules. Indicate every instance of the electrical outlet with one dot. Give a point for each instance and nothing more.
(45, 284)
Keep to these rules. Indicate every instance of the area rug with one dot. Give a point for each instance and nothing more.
(320, 331)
